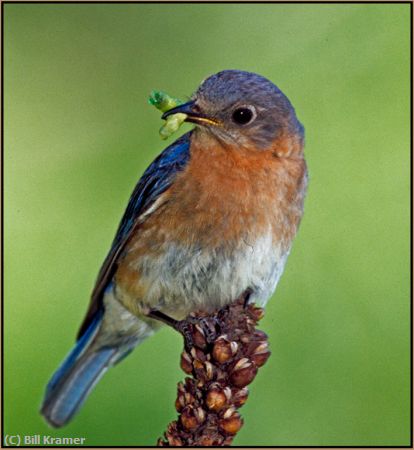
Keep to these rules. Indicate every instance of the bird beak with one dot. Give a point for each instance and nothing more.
(192, 115)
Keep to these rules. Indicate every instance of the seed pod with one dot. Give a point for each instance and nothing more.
(223, 350)
(186, 362)
(199, 370)
(229, 412)
(260, 359)
(199, 337)
(251, 322)
(189, 419)
(227, 392)
(210, 372)
(243, 373)
(180, 402)
(205, 441)
(175, 441)
(260, 353)
(227, 441)
(239, 396)
(188, 398)
(234, 347)
(245, 338)
(256, 313)
(259, 335)
(200, 415)
(210, 438)
(232, 423)
(216, 398)
(197, 353)
(189, 385)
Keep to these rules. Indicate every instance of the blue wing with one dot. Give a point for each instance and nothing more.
(155, 180)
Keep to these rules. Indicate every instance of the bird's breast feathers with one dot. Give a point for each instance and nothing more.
(226, 225)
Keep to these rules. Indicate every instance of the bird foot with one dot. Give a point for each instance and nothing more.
(208, 326)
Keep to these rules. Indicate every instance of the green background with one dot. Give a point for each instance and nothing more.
(78, 135)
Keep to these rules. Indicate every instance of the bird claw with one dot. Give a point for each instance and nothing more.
(209, 326)
(247, 296)
(185, 328)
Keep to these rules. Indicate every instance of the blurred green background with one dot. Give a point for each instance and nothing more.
(78, 135)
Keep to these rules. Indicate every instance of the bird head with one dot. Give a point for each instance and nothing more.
(241, 108)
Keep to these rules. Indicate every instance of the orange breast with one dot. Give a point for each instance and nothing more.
(223, 196)
(227, 193)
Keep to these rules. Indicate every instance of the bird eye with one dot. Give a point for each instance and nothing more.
(244, 115)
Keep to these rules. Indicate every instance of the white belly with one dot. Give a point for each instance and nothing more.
(184, 279)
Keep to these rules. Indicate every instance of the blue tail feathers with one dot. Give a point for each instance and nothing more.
(75, 378)
(111, 334)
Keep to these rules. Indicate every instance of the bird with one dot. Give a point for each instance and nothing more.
(211, 219)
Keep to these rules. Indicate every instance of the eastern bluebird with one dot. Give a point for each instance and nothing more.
(211, 219)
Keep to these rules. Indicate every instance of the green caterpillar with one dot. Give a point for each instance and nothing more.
(164, 102)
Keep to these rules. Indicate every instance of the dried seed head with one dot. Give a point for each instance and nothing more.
(243, 373)
(186, 362)
(208, 399)
(222, 350)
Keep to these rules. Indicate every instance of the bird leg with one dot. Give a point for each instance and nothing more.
(182, 326)
(247, 294)
(209, 325)
(185, 327)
